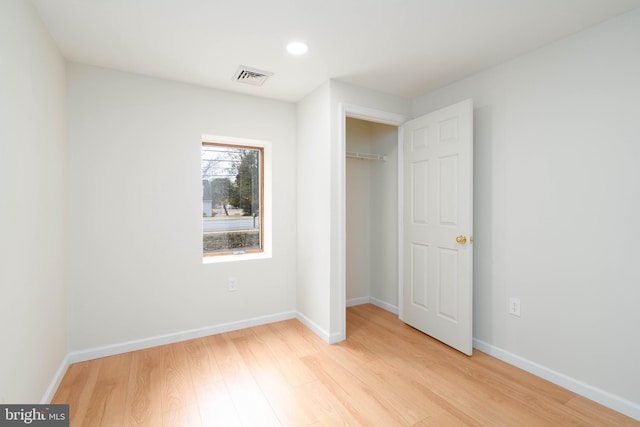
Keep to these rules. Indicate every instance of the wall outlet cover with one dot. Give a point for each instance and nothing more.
(514, 306)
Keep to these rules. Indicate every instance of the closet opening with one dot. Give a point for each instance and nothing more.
(371, 214)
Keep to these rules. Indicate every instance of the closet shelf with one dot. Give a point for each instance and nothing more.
(365, 156)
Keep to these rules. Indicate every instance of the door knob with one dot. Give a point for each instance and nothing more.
(462, 239)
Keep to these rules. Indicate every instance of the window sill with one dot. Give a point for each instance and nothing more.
(232, 258)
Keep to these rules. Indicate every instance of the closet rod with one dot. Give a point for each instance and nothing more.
(365, 156)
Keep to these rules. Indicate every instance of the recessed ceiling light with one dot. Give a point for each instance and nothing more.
(297, 48)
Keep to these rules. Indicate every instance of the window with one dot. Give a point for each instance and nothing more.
(232, 198)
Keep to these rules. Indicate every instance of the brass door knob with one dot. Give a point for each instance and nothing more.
(462, 239)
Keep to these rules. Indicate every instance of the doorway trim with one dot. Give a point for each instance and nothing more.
(370, 115)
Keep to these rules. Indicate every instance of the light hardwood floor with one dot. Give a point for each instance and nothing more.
(384, 374)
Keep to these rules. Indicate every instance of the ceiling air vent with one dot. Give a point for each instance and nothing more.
(251, 76)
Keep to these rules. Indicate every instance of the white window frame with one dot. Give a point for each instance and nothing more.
(267, 220)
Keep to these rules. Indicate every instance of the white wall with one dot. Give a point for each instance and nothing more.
(557, 202)
(33, 202)
(135, 208)
(314, 204)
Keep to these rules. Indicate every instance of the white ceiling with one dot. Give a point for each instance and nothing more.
(402, 47)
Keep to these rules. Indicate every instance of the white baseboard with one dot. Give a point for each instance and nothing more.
(384, 305)
(371, 300)
(336, 337)
(617, 403)
(55, 382)
(125, 347)
(315, 328)
(358, 301)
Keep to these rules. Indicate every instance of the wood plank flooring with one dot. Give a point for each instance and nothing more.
(384, 374)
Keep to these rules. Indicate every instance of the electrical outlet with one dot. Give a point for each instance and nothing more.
(514, 306)
(233, 284)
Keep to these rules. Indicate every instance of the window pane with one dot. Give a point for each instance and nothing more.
(231, 199)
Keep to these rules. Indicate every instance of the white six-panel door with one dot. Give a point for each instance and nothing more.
(438, 225)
